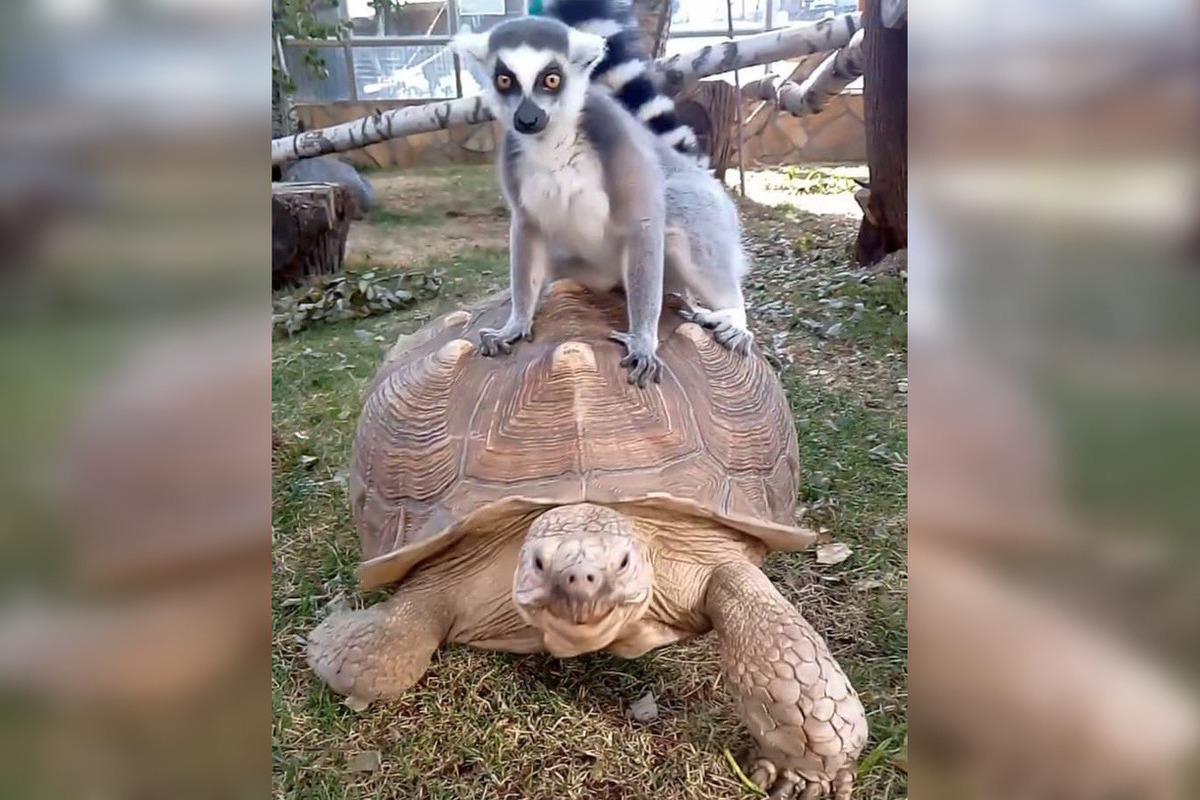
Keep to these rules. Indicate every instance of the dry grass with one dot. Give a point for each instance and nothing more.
(485, 725)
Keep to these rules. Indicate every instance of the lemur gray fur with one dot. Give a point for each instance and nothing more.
(597, 197)
(625, 68)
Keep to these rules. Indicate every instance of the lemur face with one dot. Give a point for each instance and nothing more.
(539, 71)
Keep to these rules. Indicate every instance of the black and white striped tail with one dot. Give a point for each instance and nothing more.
(625, 69)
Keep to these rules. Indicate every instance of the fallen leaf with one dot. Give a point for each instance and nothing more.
(833, 553)
(366, 761)
(356, 703)
(644, 708)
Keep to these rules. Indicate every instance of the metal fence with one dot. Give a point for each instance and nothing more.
(400, 55)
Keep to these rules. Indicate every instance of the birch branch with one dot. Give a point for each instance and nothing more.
(678, 73)
(811, 95)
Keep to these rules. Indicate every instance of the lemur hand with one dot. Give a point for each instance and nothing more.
(493, 342)
(641, 358)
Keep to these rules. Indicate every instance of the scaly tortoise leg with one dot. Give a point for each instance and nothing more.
(381, 651)
(790, 692)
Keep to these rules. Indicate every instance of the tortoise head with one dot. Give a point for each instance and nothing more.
(583, 576)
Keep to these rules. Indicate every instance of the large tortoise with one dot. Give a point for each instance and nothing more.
(539, 502)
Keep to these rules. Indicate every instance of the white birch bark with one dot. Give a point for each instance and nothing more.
(809, 96)
(833, 75)
(683, 70)
(678, 73)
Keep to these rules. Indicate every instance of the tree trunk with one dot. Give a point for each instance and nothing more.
(885, 110)
(654, 21)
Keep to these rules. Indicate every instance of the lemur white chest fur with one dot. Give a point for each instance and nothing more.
(562, 190)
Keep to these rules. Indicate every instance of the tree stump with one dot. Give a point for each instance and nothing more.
(309, 224)
(710, 108)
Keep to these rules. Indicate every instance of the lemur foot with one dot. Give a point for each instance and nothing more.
(494, 341)
(641, 358)
(728, 326)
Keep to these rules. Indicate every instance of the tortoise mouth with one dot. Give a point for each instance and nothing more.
(566, 637)
(573, 629)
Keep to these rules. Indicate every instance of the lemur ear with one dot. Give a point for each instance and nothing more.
(585, 50)
(471, 45)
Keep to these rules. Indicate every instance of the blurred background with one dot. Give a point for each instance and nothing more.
(135, 361)
(1055, 399)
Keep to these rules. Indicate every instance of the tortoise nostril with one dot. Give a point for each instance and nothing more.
(590, 578)
(570, 579)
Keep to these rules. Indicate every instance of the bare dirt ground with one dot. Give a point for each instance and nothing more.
(426, 216)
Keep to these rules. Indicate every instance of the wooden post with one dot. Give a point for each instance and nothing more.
(885, 111)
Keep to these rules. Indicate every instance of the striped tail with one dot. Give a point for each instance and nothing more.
(625, 69)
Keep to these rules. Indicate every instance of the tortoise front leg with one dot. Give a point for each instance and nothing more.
(381, 651)
(790, 692)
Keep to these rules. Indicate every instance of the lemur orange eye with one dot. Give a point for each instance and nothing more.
(503, 82)
(552, 81)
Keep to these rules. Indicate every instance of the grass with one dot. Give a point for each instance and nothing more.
(487, 725)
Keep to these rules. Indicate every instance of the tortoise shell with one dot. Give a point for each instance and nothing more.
(449, 440)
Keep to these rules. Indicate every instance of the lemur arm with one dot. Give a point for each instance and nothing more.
(528, 266)
(642, 273)
(640, 207)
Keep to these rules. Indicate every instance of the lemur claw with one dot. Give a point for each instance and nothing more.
(641, 359)
(494, 341)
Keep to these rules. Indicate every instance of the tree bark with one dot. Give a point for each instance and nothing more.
(654, 21)
(885, 111)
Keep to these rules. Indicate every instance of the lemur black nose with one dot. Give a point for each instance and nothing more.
(529, 117)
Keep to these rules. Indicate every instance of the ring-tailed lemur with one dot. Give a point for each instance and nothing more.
(625, 68)
(595, 196)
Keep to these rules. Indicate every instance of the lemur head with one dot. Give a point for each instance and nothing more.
(539, 68)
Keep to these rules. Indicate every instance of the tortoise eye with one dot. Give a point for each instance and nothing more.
(503, 82)
(552, 81)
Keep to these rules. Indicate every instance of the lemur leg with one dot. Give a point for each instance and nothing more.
(720, 287)
(528, 266)
(789, 690)
(381, 651)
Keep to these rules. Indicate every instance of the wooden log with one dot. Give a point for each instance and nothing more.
(309, 225)
(677, 73)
